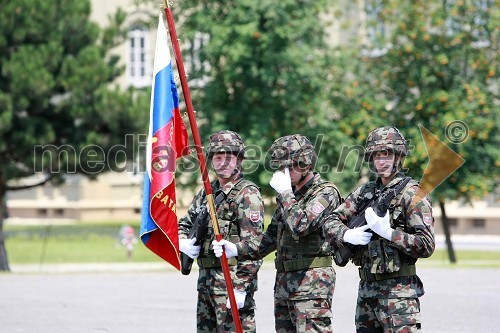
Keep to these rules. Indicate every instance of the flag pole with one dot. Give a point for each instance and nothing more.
(201, 159)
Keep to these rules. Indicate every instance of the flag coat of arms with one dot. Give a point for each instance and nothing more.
(167, 140)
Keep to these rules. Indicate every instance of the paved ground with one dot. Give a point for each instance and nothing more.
(154, 299)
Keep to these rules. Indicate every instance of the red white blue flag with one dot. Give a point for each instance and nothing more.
(167, 140)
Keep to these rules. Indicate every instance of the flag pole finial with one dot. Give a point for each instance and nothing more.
(167, 3)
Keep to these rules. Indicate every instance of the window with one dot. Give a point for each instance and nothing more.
(138, 57)
(59, 212)
(374, 29)
(474, 23)
(193, 61)
(478, 223)
(42, 212)
(453, 223)
(480, 33)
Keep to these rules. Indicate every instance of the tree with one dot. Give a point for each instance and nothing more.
(60, 111)
(265, 69)
(436, 67)
(258, 68)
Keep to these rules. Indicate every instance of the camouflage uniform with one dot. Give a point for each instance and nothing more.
(389, 287)
(305, 278)
(240, 217)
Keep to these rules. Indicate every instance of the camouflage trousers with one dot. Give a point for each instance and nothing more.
(388, 315)
(214, 317)
(310, 315)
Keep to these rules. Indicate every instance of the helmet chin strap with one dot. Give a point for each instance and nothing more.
(373, 169)
(304, 174)
(395, 168)
(235, 171)
(393, 172)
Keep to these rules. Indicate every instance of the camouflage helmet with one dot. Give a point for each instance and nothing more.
(292, 149)
(385, 138)
(225, 142)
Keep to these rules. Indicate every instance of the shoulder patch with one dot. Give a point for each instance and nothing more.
(318, 208)
(254, 215)
(427, 218)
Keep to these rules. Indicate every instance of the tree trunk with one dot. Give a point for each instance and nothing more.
(4, 261)
(447, 235)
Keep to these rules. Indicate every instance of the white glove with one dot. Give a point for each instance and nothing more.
(281, 182)
(358, 236)
(187, 246)
(240, 299)
(380, 225)
(231, 250)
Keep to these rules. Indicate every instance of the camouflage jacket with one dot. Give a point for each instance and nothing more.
(299, 215)
(249, 218)
(412, 238)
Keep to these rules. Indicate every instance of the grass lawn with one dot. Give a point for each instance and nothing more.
(105, 249)
(79, 243)
(99, 243)
(94, 249)
(465, 258)
(442, 255)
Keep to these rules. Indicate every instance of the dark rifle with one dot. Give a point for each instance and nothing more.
(379, 205)
(199, 230)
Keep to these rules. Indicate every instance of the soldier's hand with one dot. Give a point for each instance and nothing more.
(357, 236)
(281, 181)
(380, 225)
(187, 246)
(240, 299)
(231, 250)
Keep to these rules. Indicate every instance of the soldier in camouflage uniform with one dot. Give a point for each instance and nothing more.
(240, 218)
(389, 287)
(305, 278)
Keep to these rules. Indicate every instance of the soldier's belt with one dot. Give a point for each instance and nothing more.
(405, 270)
(304, 263)
(215, 262)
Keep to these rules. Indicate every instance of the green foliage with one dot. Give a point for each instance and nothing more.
(440, 67)
(263, 65)
(57, 88)
(265, 69)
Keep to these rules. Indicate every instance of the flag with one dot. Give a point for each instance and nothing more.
(167, 140)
